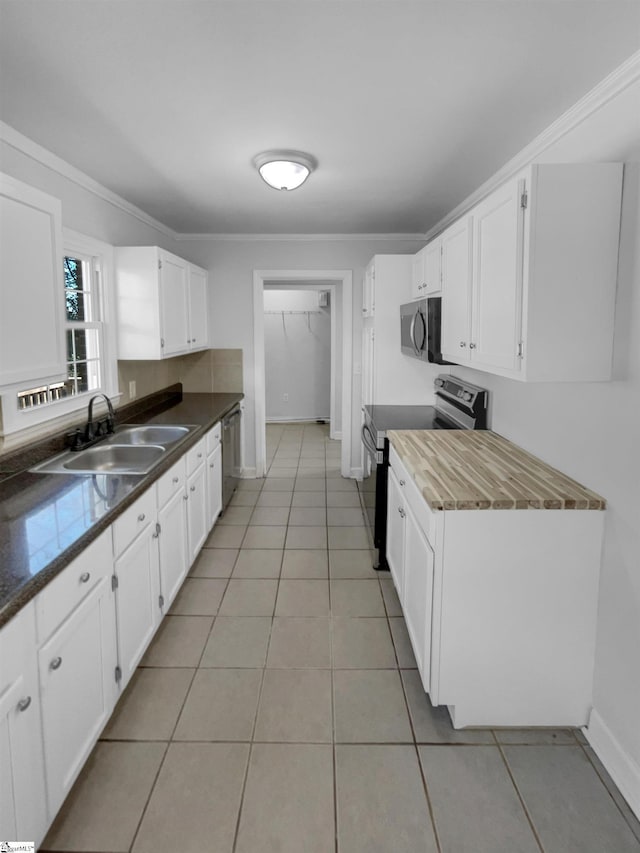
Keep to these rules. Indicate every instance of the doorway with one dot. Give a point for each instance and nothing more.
(339, 284)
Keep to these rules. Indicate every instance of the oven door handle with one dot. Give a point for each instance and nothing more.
(367, 440)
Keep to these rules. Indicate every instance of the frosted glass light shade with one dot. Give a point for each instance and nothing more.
(284, 170)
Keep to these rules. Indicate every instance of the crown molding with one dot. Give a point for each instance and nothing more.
(47, 158)
(614, 84)
(327, 238)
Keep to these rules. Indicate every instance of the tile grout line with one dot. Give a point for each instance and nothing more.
(519, 794)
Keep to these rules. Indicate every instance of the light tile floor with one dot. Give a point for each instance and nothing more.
(279, 709)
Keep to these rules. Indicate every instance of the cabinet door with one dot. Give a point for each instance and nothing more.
(432, 267)
(417, 275)
(173, 547)
(497, 278)
(77, 681)
(214, 486)
(198, 308)
(173, 304)
(196, 511)
(32, 292)
(395, 531)
(22, 798)
(137, 599)
(418, 593)
(456, 291)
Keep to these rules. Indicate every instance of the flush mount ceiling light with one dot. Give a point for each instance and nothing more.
(284, 170)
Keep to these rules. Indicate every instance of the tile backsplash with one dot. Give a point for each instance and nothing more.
(212, 370)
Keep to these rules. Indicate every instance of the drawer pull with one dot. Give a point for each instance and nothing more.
(402, 482)
(141, 517)
(55, 663)
(199, 455)
(402, 512)
(176, 480)
(23, 704)
(84, 577)
(185, 497)
(192, 488)
(211, 465)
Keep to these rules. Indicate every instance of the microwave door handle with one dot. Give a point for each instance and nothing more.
(412, 329)
(420, 346)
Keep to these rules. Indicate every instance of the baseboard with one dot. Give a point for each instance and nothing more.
(623, 770)
(291, 420)
(248, 473)
(337, 435)
(357, 473)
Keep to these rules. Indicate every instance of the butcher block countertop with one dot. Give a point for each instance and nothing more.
(479, 469)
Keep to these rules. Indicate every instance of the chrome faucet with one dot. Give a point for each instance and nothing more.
(103, 427)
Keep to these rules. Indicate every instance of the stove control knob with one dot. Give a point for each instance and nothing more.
(439, 382)
(467, 396)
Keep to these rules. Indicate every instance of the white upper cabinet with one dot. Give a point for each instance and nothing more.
(456, 284)
(426, 271)
(31, 286)
(541, 296)
(162, 304)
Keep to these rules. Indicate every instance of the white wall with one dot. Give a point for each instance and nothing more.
(591, 432)
(297, 350)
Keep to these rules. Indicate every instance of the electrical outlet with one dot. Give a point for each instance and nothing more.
(132, 389)
(285, 397)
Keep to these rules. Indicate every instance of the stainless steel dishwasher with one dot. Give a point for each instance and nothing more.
(230, 454)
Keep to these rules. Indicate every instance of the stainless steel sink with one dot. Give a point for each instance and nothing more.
(115, 459)
(144, 435)
(132, 449)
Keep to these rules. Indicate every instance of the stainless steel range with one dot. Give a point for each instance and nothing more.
(459, 405)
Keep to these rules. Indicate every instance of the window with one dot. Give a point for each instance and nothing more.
(84, 327)
(89, 340)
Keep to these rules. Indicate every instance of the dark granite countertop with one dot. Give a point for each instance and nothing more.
(46, 520)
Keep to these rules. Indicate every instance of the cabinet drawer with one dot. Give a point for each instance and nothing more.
(171, 482)
(133, 521)
(213, 438)
(196, 456)
(72, 585)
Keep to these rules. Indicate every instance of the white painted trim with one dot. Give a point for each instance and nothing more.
(332, 356)
(285, 420)
(357, 473)
(310, 238)
(248, 473)
(620, 79)
(47, 158)
(337, 435)
(341, 278)
(622, 768)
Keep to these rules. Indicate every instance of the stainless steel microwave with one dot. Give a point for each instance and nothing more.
(420, 323)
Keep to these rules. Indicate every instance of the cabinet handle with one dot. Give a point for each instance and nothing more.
(402, 482)
(176, 480)
(192, 488)
(55, 663)
(463, 343)
(211, 465)
(185, 497)
(472, 346)
(84, 577)
(199, 455)
(193, 340)
(141, 517)
(402, 512)
(23, 704)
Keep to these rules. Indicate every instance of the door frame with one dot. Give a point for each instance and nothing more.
(339, 280)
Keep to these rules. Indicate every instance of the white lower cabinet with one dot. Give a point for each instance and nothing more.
(76, 665)
(23, 810)
(136, 575)
(67, 655)
(418, 592)
(172, 517)
(500, 606)
(395, 531)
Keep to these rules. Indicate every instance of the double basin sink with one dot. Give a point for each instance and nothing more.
(129, 450)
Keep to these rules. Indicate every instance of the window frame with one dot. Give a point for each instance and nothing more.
(41, 419)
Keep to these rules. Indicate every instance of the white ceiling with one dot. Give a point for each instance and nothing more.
(408, 106)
